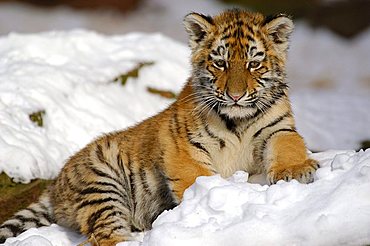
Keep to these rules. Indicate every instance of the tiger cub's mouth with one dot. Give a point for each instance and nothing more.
(243, 103)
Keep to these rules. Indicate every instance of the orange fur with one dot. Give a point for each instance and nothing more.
(289, 159)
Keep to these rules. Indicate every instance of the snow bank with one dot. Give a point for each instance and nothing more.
(333, 210)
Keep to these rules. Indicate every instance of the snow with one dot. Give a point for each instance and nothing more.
(70, 74)
(333, 210)
(228, 212)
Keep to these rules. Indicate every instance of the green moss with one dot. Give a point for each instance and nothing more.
(37, 117)
(133, 73)
(162, 93)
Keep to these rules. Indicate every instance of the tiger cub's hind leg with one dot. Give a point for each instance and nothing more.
(107, 226)
(93, 194)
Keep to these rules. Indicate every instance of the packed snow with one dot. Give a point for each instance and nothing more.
(70, 75)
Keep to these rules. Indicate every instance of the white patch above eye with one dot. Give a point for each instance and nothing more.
(252, 50)
(220, 57)
(256, 51)
(220, 52)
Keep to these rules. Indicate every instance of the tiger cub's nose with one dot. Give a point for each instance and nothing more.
(235, 96)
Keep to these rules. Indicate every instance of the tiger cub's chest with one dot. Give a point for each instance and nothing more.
(229, 152)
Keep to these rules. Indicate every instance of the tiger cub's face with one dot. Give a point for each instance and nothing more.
(238, 61)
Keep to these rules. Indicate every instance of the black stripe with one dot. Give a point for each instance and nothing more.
(99, 153)
(2, 239)
(34, 212)
(104, 224)
(118, 214)
(98, 201)
(176, 121)
(123, 171)
(206, 163)
(120, 162)
(24, 219)
(280, 130)
(259, 53)
(199, 146)
(90, 188)
(102, 159)
(172, 133)
(220, 141)
(132, 185)
(112, 230)
(262, 146)
(96, 215)
(276, 121)
(260, 83)
(115, 213)
(103, 174)
(194, 143)
(111, 214)
(39, 214)
(173, 179)
(273, 133)
(134, 228)
(252, 49)
(95, 190)
(277, 40)
(226, 36)
(105, 184)
(45, 213)
(105, 235)
(15, 229)
(166, 200)
(230, 124)
(144, 182)
(277, 94)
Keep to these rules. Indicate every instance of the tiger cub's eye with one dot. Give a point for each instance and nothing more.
(220, 64)
(253, 64)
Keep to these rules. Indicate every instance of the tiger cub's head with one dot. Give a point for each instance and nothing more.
(238, 60)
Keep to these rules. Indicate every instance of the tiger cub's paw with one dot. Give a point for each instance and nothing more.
(301, 172)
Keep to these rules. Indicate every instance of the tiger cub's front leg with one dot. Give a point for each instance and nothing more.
(286, 158)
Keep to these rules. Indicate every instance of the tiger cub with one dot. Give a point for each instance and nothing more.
(232, 114)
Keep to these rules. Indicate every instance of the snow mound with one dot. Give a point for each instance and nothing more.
(333, 210)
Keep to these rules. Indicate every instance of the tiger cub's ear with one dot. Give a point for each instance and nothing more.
(198, 27)
(279, 29)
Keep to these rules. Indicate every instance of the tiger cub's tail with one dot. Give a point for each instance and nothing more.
(35, 215)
